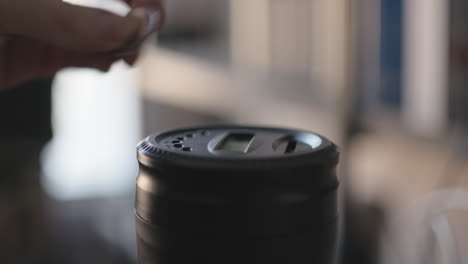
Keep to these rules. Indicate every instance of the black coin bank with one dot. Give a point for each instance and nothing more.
(237, 194)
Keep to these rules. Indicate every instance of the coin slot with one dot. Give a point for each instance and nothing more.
(291, 147)
(237, 142)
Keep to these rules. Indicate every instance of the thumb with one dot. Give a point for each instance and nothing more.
(74, 27)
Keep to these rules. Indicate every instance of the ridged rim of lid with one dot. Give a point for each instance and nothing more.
(152, 154)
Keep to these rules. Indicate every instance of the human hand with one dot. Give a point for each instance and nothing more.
(40, 37)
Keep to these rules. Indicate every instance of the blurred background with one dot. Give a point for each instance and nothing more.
(384, 79)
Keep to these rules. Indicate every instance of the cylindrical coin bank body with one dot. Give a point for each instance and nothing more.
(236, 195)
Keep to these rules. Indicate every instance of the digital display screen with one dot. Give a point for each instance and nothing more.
(236, 142)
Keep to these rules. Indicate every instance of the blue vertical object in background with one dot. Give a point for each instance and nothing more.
(391, 47)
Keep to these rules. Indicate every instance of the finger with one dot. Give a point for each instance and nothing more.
(153, 22)
(150, 4)
(27, 59)
(63, 60)
(101, 64)
(158, 5)
(131, 60)
(73, 27)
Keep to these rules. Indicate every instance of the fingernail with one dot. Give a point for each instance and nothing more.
(151, 20)
(154, 20)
